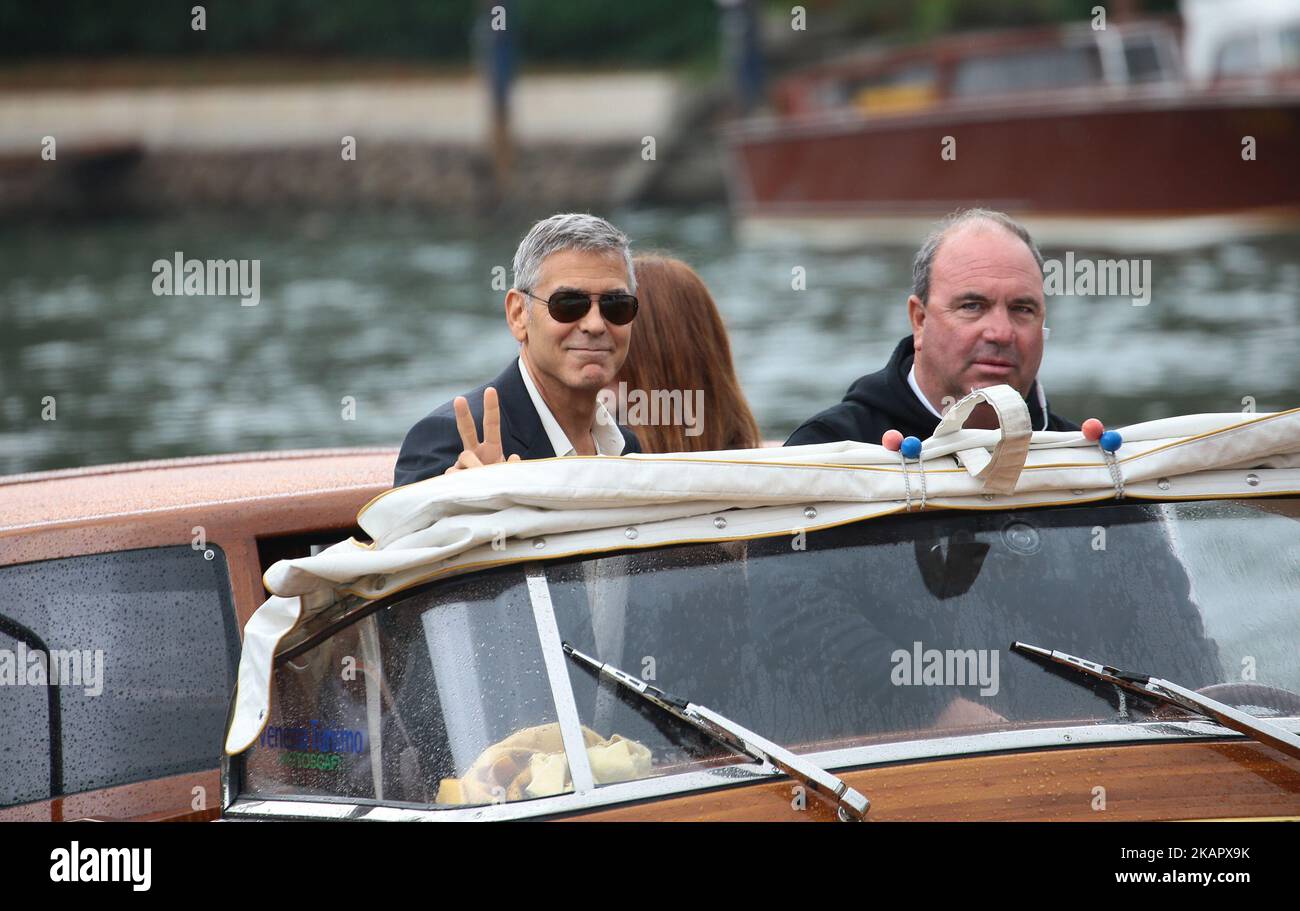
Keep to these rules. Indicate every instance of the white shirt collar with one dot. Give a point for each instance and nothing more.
(911, 381)
(604, 429)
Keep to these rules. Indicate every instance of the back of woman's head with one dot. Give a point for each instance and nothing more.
(680, 345)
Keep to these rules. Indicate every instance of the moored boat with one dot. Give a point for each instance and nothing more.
(1140, 134)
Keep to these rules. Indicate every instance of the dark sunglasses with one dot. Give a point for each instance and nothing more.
(571, 306)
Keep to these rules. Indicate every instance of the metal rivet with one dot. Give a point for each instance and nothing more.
(1078, 491)
(719, 522)
(1067, 736)
(1022, 538)
(809, 512)
(629, 533)
(1163, 483)
(208, 555)
(539, 543)
(1252, 480)
(988, 496)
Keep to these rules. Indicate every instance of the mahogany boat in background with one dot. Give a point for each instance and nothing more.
(1151, 133)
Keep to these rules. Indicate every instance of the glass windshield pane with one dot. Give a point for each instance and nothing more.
(1143, 59)
(144, 646)
(663, 616)
(439, 698)
(1037, 69)
(1240, 55)
(908, 85)
(899, 628)
(1289, 45)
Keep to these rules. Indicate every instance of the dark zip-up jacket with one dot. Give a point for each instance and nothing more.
(884, 400)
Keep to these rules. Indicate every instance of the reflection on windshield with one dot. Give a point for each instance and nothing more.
(899, 629)
(441, 698)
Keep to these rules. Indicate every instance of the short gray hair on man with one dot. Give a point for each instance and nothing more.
(568, 231)
(924, 260)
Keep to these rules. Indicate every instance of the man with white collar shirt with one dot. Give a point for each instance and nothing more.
(977, 312)
(571, 309)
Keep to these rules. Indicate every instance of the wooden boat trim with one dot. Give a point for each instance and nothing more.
(952, 114)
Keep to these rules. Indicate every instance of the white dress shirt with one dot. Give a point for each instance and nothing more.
(911, 381)
(604, 429)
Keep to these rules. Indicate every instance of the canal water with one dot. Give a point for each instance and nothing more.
(366, 323)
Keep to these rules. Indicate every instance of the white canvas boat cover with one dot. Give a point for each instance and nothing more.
(548, 508)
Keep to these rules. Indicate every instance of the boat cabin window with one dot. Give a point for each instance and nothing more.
(1289, 47)
(1240, 55)
(1142, 59)
(1256, 53)
(1033, 69)
(142, 646)
(908, 86)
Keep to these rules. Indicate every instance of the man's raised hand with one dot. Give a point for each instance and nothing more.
(488, 451)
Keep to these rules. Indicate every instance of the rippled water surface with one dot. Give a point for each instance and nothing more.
(398, 312)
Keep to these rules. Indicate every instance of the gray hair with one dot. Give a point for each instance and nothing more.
(924, 260)
(569, 231)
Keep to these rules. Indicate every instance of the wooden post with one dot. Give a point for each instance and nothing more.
(495, 47)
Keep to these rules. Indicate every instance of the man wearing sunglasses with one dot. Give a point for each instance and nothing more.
(571, 309)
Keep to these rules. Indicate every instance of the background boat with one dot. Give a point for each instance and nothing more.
(1154, 132)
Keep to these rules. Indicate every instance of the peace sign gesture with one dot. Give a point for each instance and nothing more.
(477, 454)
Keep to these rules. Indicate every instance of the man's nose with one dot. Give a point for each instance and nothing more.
(997, 326)
(593, 323)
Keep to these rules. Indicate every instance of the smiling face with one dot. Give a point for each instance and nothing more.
(983, 324)
(583, 356)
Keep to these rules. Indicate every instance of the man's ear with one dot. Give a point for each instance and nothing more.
(517, 314)
(916, 316)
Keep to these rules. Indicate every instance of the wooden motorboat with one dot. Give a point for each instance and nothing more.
(1143, 134)
(798, 634)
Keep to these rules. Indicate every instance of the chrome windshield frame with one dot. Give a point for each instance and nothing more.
(557, 676)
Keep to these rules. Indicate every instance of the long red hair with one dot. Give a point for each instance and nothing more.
(680, 343)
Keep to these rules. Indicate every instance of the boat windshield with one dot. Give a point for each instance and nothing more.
(886, 630)
(1043, 68)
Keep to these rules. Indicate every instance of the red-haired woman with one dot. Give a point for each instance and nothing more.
(677, 389)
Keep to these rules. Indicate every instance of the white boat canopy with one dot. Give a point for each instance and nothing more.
(549, 508)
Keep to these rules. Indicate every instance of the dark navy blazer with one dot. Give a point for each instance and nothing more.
(433, 444)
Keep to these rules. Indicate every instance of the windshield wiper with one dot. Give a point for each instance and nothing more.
(1172, 694)
(852, 805)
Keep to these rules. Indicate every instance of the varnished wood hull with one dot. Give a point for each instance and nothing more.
(1086, 157)
(190, 797)
(1138, 782)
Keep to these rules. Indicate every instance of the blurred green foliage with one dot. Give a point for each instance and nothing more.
(564, 32)
(561, 33)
